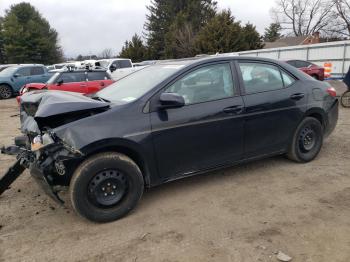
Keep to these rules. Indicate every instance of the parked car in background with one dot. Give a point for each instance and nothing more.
(2, 67)
(114, 64)
(80, 81)
(14, 77)
(311, 69)
(168, 121)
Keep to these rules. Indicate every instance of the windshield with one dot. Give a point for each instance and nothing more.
(137, 84)
(8, 71)
(53, 78)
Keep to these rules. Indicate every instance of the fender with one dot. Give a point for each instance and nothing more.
(145, 160)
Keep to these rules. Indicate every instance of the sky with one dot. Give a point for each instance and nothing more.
(88, 26)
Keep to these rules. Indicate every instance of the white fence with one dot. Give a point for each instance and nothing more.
(337, 53)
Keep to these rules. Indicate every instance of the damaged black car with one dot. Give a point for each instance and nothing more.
(168, 121)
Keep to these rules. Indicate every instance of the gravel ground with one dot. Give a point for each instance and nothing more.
(246, 213)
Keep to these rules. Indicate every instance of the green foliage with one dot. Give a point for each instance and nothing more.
(2, 51)
(134, 49)
(28, 37)
(273, 32)
(223, 34)
(168, 20)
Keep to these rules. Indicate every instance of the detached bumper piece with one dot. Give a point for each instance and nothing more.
(24, 158)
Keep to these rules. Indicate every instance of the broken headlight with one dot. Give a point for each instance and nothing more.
(41, 141)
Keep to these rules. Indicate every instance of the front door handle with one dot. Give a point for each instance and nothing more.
(233, 109)
(297, 96)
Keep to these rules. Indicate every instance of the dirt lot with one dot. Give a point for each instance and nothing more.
(245, 213)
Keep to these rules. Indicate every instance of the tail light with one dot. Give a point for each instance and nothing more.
(331, 91)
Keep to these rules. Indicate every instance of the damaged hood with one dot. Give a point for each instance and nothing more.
(55, 108)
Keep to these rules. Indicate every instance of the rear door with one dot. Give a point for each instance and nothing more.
(97, 81)
(208, 131)
(38, 74)
(274, 106)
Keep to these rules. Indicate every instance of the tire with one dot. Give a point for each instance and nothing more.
(307, 141)
(5, 92)
(105, 187)
(345, 99)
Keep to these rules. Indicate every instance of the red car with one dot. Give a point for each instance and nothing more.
(81, 81)
(311, 69)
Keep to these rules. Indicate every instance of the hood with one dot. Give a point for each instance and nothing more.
(36, 85)
(55, 108)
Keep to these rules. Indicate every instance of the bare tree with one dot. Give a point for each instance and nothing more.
(342, 13)
(106, 53)
(303, 17)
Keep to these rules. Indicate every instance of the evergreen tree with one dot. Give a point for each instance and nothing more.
(134, 49)
(251, 38)
(221, 34)
(273, 32)
(28, 37)
(165, 15)
(2, 51)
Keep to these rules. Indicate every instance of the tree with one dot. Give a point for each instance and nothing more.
(28, 37)
(222, 34)
(134, 49)
(303, 17)
(273, 32)
(106, 53)
(251, 38)
(165, 15)
(2, 51)
(342, 15)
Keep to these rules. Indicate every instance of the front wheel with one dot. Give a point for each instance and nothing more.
(106, 187)
(307, 141)
(345, 99)
(5, 92)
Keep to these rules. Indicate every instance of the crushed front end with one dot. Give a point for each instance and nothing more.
(50, 160)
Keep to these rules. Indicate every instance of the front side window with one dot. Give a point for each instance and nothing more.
(205, 84)
(259, 77)
(69, 77)
(37, 70)
(24, 71)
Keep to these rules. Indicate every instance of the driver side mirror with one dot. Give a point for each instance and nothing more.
(171, 100)
(113, 67)
(16, 75)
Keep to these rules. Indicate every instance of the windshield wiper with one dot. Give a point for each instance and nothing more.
(96, 97)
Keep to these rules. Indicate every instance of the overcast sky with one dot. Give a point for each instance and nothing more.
(88, 26)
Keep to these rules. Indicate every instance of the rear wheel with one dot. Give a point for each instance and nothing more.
(5, 92)
(106, 187)
(345, 99)
(307, 141)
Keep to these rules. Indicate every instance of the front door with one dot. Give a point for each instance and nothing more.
(208, 131)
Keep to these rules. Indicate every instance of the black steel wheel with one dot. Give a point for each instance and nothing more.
(5, 92)
(307, 140)
(345, 99)
(106, 186)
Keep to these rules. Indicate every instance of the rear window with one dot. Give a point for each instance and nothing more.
(124, 63)
(93, 76)
(38, 70)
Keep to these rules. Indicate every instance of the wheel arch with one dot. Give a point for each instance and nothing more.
(123, 146)
(318, 114)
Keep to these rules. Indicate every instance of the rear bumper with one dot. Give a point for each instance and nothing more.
(332, 118)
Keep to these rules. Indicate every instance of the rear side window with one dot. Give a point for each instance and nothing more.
(94, 76)
(205, 84)
(37, 70)
(258, 77)
(292, 63)
(287, 79)
(69, 77)
(124, 63)
(24, 71)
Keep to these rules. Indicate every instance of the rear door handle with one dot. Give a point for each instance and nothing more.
(233, 109)
(297, 96)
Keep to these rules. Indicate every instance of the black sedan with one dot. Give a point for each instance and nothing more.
(168, 121)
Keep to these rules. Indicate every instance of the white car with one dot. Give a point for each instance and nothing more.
(114, 64)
